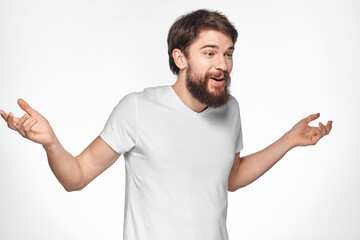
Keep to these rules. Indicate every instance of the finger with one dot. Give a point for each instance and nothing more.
(314, 129)
(9, 120)
(29, 126)
(12, 121)
(322, 129)
(19, 124)
(27, 121)
(328, 127)
(3, 115)
(312, 117)
(317, 135)
(26, 107)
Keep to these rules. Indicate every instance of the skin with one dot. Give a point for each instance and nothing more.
(75, 172)
(210, 52)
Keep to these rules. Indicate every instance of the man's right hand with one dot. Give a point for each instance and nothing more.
(32, 125)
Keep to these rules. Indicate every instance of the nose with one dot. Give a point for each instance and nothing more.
(221, 64)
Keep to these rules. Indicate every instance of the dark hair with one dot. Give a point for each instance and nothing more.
(187, 27)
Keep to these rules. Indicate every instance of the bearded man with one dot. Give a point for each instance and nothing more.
(181, 142)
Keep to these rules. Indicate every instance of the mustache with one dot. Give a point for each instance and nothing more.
(224, 74)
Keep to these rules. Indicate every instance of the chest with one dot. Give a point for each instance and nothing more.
(173, 146)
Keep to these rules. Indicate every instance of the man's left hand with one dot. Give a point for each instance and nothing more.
(302, 134)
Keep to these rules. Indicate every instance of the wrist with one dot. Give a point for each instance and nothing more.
(288, 140)
(51, 144)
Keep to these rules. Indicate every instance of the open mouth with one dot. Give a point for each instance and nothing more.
(218, 79)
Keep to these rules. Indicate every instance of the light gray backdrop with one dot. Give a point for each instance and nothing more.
(74, 60)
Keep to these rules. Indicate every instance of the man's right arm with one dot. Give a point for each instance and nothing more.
(74, 173)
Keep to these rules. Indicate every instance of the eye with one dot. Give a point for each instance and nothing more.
(229, 55)
(209, 54)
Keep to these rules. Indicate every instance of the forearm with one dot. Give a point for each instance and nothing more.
(67, 169)
(252, 166)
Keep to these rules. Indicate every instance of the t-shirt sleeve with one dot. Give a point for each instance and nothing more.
(239, 142)
(120, 130)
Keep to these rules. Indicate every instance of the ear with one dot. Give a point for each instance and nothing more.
(179, 58)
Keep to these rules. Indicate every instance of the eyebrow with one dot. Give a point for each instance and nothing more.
(215, 46)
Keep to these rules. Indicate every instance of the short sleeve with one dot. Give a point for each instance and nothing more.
(239, 141)
(120, 130)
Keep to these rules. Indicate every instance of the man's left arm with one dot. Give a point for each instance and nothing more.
(247, 169)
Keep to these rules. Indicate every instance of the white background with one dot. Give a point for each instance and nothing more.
(74, 60)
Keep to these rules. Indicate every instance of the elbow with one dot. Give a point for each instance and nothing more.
(74, 186)
(73, 189)
(231, 186)
(232, 189)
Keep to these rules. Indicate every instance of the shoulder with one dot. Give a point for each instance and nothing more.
(126, 104)
(233, 107)
(233, 103)
(129, 97)
(128, 100)
(156, 93)
(156, 90)
(233, 99)
(152, 94)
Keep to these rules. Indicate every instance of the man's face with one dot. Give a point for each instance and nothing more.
(209, 64)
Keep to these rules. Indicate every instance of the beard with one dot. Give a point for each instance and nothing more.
(199, 89)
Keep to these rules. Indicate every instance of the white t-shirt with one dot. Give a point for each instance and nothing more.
(177, 164)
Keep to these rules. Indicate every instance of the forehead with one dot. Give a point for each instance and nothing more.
(212, 37)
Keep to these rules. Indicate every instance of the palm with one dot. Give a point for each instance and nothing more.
(41, 131)
(32, 126)
(302, 134)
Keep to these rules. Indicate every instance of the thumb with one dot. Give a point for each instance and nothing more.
(26, 107)
(312, 117)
